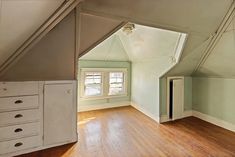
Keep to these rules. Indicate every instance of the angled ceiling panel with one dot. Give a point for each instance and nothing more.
(148, 43)
(110, 49)
(220, 62)
(19, 19)
(93, 29)
(201, 16)
(52, 58)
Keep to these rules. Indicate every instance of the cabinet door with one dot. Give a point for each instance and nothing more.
(58, 113)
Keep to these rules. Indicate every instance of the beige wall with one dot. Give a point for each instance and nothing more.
(53, 58)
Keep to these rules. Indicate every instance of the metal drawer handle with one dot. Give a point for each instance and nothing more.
(18, 144)
(18, 101)
(18, 116)
(18, 130)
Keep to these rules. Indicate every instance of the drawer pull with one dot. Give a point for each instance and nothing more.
(18, 101)
(18, 116)
(18, 144)
(18, 130)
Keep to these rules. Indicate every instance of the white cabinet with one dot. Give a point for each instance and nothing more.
(36, 115)
(59, 113)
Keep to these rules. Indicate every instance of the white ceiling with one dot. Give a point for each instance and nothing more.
(144, 44)
(19, 19)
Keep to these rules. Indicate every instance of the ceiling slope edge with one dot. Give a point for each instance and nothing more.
(216, 37)
(47, 26)
(118, 27)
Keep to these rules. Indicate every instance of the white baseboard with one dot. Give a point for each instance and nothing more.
(164, 118)
(187, 113)
(150, 115)
(83, 108)
(215, 121)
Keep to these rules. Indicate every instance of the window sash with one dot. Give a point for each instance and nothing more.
(101, 78)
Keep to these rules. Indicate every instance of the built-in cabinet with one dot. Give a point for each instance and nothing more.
(35, 115)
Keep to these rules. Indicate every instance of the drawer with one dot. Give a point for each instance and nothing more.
(19, 131)
(18, 88)
(17, 103)
(19, 144)
(16, 117)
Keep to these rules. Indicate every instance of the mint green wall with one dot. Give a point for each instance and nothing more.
(187, 94)
(104, 64)
(215, 97)
(145, 90)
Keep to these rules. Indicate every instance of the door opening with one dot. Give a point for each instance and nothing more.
(175, 97)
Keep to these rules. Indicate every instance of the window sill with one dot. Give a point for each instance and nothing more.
(102, 97)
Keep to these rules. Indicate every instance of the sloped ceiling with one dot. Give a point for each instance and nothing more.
(94, 28)
(110, 49)
(143, 44)
(221, 61)
(199, 18)
(19, 19)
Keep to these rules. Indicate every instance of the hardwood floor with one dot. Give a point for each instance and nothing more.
(125, 132)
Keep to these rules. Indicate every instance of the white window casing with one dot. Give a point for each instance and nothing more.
(105, 83)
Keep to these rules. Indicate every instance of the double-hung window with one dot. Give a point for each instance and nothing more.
(93, 84)
(103, 82)
(116, 83)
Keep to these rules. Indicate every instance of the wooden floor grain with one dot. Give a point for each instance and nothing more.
(125, 132)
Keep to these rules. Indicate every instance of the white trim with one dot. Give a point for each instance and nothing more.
(215, 121)
(165, 118)
(105, 83)
(83, 108)
(147, 113)
(104, 69)
(187, 113)
(168, 92)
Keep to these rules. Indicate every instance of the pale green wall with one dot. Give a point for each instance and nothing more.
(187, 94)
(145, 90)
(215, 97)
(105, 64)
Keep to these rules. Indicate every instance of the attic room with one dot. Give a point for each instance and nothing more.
(88, 78)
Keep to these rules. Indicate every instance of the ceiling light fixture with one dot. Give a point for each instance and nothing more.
(128, 28)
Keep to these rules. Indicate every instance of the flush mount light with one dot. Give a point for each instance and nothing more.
(128, 28)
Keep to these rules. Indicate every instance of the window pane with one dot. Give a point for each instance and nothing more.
(93, 90)
(93, 84)
(116, 83)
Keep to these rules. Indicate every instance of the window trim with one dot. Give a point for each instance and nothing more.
(105, 83)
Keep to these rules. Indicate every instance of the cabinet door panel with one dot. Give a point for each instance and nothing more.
(58, 113)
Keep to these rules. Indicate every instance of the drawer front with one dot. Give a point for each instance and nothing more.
(19, 144)
(16, 117)
(17, 103)
(19, 131)
(18, 88)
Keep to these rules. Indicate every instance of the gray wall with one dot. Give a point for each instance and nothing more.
(53, 58)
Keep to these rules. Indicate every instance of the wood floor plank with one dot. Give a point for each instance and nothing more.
(126, 132)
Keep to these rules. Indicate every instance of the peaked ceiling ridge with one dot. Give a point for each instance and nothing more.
(117, 41)
(217, 36)
(48, 25)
